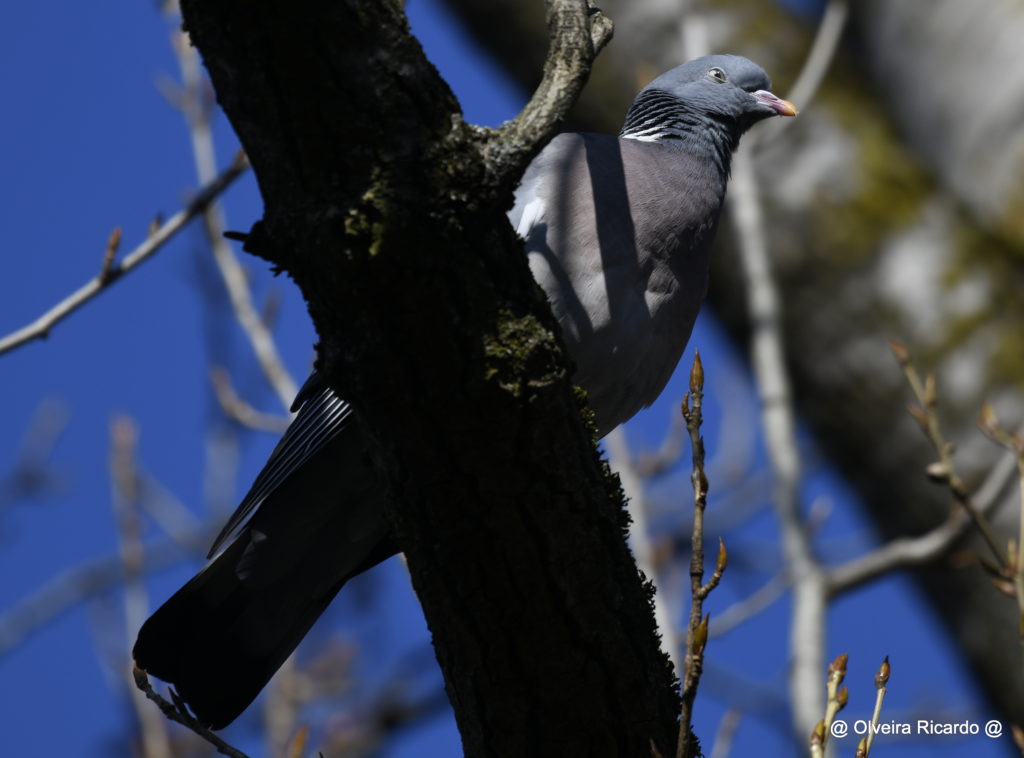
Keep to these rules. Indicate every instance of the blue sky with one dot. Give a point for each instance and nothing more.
(88, 142)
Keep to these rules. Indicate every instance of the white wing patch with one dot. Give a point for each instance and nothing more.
(532, 214)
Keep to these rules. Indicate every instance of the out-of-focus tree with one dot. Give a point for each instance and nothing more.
(893, 209)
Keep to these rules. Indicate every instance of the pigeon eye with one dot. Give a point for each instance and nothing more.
(717, 75)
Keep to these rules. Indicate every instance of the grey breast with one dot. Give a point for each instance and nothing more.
(618, 234)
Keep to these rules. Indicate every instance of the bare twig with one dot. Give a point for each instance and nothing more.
(881, 680)
(577, 31)
(40, 328)
(667, 455)
(126, 496)
(298, 743)
(837, 695)
(113, 243)
(1013, 572)
(942, 470)
(836, 700)
(725, 733)
(902, 552)
(236, 408)
(177, 712)
(1017, 732)
(914, 551)
(77, 584)
(816, 65)
(194, 106)
(697, 630)
(92, 577)
(32, 473)
(750, 606)
(823, 50)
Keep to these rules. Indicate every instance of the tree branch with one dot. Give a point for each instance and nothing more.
(236, 408)
(577, 31)
(906, 552)
(177, 712)
(110, 272)
(126, 496)
(807, 634)
(92, 577)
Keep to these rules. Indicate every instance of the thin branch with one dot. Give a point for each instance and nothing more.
(942, 470)
(816, 65)
(188, 537)
(899, 553)
(92, 577)
(766, 595)
(903, 552)
(237, 409)
(113, 243)
(298, 743)
(1017, 732)
(670, 452)
(823, 50)
(697, 629)
(577, 31)
(126, 495)
(33, 474)
(177, 712)
(915, 551)
(40, 328)
(743, 610)
(807, 644)
(881, 680)
(1013, 571)
(836, 700)
(725, 733)
(194, 107)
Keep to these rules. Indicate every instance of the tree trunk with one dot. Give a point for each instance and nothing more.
(388, 212)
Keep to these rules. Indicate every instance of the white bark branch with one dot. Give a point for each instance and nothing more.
(231, 270)
(41, 327)
(807, 635)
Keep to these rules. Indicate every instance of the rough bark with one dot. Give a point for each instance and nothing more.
(873, 237)
(388, 212)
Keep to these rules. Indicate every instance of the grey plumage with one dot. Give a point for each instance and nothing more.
(627, 307)
(618, 231)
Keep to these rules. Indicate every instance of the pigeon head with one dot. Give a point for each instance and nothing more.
(724, 94)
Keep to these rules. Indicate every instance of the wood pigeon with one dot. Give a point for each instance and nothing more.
(618, 231)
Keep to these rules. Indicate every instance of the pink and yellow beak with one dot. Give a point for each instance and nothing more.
(777, 104)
